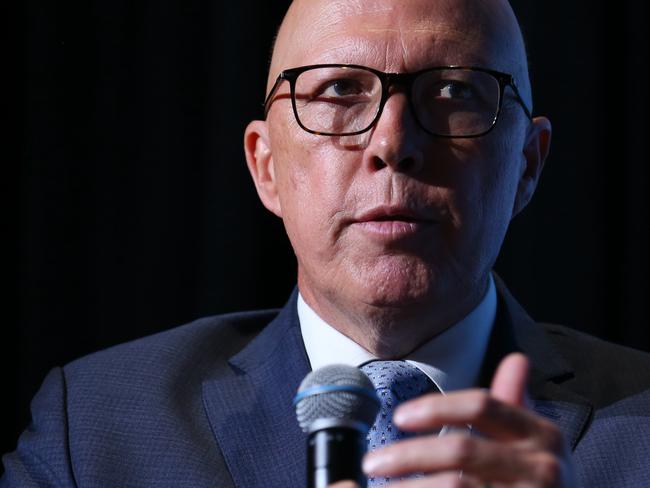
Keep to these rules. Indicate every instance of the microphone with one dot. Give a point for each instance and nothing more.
(336, 406)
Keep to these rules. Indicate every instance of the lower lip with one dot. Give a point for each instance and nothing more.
(394, 229)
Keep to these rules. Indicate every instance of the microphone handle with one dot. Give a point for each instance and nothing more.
(335, 454)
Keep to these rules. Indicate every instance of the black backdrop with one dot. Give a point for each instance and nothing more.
(133, 211)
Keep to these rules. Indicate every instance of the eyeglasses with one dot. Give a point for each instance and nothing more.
(346, 99)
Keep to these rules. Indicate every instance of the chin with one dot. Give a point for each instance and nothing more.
(397, 288)
(396, 296)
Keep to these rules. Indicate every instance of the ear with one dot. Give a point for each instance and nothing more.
(259, 159)
(536, 148)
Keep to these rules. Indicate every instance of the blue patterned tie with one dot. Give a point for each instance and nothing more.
(395, 382)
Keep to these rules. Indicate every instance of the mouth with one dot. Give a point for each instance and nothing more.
(393, 218)
(393, 222)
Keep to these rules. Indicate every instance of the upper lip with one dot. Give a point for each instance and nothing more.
(394, 212)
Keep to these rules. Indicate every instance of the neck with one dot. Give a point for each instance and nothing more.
(392, 332)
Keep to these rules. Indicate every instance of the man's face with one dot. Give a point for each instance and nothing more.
(393, 219)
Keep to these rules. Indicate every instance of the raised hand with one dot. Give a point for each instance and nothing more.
(515, 448)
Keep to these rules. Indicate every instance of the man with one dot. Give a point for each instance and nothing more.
(396, 192)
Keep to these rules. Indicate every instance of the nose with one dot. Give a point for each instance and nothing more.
(396, 141)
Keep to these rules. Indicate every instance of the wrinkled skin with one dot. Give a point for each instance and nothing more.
(395, 231)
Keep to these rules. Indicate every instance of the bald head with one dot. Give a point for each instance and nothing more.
(451, 31)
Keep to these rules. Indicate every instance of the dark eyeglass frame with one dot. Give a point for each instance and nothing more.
(387, 79)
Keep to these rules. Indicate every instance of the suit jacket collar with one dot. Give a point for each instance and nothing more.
(251, 410)
(514, 330)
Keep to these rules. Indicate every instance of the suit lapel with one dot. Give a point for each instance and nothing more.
(514, 330)
(251, 410)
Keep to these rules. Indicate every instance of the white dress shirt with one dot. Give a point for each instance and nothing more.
(451, 359)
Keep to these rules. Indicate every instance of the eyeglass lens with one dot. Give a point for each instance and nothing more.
(344, 100)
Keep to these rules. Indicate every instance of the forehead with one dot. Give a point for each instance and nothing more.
(393, 35)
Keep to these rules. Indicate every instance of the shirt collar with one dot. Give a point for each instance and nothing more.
(452, 359)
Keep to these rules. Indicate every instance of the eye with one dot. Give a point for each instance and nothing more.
(454, 90)
(342, 88)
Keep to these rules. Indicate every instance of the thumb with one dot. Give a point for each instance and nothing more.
(509, 382)
(344, 484)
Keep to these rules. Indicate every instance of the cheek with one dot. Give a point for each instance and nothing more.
(313, 187)
(502, 180)
(308, 179)
(482, 189)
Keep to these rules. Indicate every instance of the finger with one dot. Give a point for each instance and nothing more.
(478, 408)
(509, 382)
(344, 484)
(440, 480)
(482, 458)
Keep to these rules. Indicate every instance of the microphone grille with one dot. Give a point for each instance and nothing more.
(335, 393)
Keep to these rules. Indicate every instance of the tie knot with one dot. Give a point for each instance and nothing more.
(402, 379)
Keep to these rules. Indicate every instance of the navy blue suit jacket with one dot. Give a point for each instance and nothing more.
(209, 404)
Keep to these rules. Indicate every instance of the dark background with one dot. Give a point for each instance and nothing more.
(131, 209)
